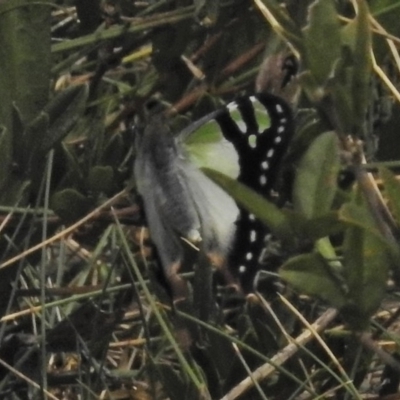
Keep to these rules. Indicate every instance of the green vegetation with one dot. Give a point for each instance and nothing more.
(83, 312)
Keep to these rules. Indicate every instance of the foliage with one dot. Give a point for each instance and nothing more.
(84, 311)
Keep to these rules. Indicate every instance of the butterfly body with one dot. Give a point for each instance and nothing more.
(181, 202)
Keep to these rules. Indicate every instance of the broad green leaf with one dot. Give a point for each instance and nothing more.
(311, 274)
(366, 265)
(328, 252)
(322, 40)
(101, 179)
(375, 275)
(69, 204)
(25, 61)
(362, 65)
(25, 57)
(341, 100)
(315, 183)
(264, 210)
(324, 225)
(353, 260)
(392, 191)
(360, 217)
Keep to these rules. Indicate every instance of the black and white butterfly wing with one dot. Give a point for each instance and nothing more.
(245, 140)
(260, 128)
(180, 201)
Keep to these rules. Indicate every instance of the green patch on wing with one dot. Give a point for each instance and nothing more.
(262, 116)
(207, 148)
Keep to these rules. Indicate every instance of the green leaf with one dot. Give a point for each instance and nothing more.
(375, 275)
(25, 71)
(353, 259)
(311, 274)
(322, 40)
(101, 179)
(362, 65)
(341, 100)
(69, 204)
(392, 191)
(315, 183)
(325, 225)
(25, 57)
(264, 210)
(366, 263)
(360, 217)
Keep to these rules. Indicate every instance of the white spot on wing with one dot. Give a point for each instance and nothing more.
(253, 236)
(270, 153)
(281, 129)
(263, 180)
(249, 256)
(278, 139)
(279, 108)
(252, 140)
(232, 106)
(242, 269)
(264, 165)
(242, 126)
(252, 217)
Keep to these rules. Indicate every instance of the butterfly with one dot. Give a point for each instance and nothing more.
(246, 140)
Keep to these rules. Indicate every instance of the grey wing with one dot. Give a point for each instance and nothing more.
(158, 175)
(161, 233)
